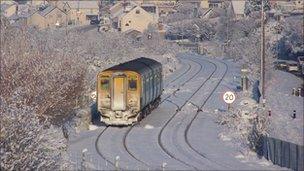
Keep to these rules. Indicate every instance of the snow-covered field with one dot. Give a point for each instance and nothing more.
(282, 103)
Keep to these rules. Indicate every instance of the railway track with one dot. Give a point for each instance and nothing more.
(180, 107)
(97, 149)
(182, 149)
(199, 110)
(197, 113)
(128, 131)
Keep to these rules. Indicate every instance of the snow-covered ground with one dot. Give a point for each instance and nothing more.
(282, 103)
(175, 136)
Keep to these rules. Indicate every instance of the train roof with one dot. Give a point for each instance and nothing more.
(140, 65)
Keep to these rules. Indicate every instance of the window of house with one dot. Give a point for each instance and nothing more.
(104, 83)
(137, 12)
(127, 24)
(129, 21)
(132, 83)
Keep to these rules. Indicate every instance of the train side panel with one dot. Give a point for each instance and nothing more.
(151, 87)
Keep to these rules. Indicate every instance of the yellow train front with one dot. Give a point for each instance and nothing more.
(128, 92)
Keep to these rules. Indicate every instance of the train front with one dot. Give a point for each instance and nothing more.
(118, 97)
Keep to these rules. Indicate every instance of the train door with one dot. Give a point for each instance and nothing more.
(119, 93)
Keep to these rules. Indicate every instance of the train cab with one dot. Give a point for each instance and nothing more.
(123, 91)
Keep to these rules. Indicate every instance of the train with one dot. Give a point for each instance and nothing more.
(128, 92)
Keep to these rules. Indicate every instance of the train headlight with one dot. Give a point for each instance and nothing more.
(132, 102)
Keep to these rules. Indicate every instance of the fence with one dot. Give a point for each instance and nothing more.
(283, 153)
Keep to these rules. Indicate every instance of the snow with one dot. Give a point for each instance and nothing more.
(149, 126)
(143, 140)
(281, 103)
(93, 127)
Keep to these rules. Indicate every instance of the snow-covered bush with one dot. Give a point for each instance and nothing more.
(245, 123)
(27, 142)
(195, 29)
(41, 80)
(256, 5)
(184, 11)
(44, 66)
(292, 39)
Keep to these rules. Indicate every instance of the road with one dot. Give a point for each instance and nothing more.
(179, 135)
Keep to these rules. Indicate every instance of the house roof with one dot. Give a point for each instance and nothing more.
(122, 13)
(119, 4)
(120, 9)
(151, 8)
(215, 1)
(238, 6)
(83, 4)
(5, 6)
(46, 11)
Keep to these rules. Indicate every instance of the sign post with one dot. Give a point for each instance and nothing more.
(229, 98)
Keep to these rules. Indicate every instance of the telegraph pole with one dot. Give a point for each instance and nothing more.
(262, 77)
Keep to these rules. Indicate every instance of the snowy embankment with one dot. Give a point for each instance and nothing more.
(282, 103)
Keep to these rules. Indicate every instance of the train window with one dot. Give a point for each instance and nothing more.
(132, 84)
(104, 83)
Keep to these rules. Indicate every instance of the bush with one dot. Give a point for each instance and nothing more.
(41, 78)
(43, 67)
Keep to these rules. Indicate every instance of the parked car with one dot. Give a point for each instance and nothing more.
(293, 67)
(94, 22)
(282, 65)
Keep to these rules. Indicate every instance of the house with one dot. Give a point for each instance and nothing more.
(136, 19)
(47, 17)
(295, 4)
(166, 8)
(299, 4)
(79, 12)
(151, 9)
(8, 9)
(290, 7)
(21, 12)
(204, 4)
(215, 3)
(119, 9)
(133, 15)
(238, 7)
(37, 3)
(7, 2)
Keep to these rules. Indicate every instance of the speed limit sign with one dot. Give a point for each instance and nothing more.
(229, 97)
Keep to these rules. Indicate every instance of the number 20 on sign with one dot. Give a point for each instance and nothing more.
(229, 97)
